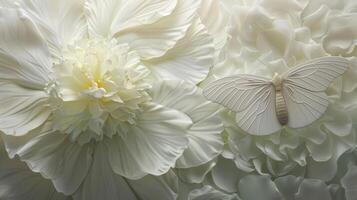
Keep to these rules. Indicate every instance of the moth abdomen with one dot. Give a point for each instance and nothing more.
(281, 108)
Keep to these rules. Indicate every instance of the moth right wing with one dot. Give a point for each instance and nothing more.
(251, 97)
(304, 88)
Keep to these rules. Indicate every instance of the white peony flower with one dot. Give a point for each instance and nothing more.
(97, 93)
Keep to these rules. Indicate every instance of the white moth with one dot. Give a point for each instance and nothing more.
(295, 99)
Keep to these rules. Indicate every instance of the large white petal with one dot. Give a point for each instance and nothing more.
(61, 22)
(189, 60)
(156, 187)
(101, 182)
(152, 145)
(24, 56)
(18, 182)
(217, 25)
(153, 40)
(107, 17)
(205, 133)
(21, 109)
(24, 73)
(54, 156)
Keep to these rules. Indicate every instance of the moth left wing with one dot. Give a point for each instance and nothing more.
(251, 97)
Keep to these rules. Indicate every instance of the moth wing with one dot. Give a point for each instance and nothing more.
(317, 74)
(251, 97)
(304, 106)
(304, 89)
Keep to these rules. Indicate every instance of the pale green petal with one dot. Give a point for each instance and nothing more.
(156, 187)
(209, 193)
(54, 156)
(195, 174)
(288, 186)
(226, 175)
(313, 189)
(324, 170)
(349, 182)
(18, 182)
(101, 181)
(258, 188)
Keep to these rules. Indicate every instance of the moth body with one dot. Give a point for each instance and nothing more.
(280, 104)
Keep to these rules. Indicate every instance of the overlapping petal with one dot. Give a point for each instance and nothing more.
(153, 40)
(151, 146)
(61, 22)
(53, 155)
(205, 141)
(24, 72)
(106, 18)
(190, 59)
(18, 182)
(103, 183)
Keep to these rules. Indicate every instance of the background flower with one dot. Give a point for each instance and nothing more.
(272, 36)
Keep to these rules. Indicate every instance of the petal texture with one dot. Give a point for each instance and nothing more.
(105, 18)
(190, 59)
(156, 187)
(18, 182)
(24, 73)
(102, 182)
(204, 135)
(153, 40)
(54, 156)
(61, 22)
(152, 145)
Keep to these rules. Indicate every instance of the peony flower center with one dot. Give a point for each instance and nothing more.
(99, 88)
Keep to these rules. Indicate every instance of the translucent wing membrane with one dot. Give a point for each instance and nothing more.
(259, 118)
(236, 92)
(304, 106)
(317, 74)
(251, 97)
(304, 89)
